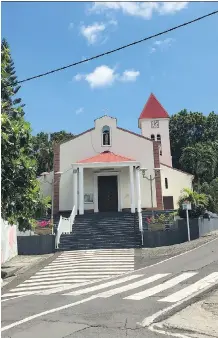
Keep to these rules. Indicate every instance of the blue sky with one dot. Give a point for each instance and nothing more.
(180, 68)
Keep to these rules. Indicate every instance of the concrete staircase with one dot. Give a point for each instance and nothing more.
(102, 231)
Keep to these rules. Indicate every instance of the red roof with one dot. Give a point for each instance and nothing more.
(106, 156)
(153, 109)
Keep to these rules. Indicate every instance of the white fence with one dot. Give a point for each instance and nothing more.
(8, 241)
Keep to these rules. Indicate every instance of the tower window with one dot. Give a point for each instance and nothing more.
(106, 139)
(158, 137)
(152, 137)
(166, 183)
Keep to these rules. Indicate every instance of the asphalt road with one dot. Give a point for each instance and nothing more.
(116, 309)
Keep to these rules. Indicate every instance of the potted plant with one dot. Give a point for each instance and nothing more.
(43, 227)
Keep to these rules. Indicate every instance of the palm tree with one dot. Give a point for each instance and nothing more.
(199, 202)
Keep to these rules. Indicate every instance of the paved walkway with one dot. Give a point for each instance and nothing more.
(197, 320)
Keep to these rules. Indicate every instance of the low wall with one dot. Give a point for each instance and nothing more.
(179, 233)
(206, 225)
(8, 241)
(36, 245)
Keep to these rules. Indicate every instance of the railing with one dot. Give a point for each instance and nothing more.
(141, 226)
(65, 226)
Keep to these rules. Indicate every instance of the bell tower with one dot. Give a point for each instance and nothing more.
(154, 124)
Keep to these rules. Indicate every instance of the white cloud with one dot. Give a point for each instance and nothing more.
(129, 75)
(161, 44)
(140, 9)
(113, 22)
(164, 42)
(93, 32)
(78, 77)
(152, 50)
(171, 7)
(104, 76)
(71, 25)
(79, 110)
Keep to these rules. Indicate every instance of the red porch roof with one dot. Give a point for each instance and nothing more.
(153, 109)
(107, 157)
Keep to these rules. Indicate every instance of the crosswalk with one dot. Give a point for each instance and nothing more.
(73, 269)
(172, 283)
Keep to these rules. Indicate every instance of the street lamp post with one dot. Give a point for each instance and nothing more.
(150, 179)
(52, 190)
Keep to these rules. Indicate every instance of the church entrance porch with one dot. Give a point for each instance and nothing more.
(106, 183)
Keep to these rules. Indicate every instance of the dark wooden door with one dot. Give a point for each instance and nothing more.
(168, 202)
(107, 193)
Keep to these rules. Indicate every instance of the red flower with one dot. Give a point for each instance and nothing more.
(43, 224)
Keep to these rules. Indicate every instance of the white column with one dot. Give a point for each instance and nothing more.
(138, 189)
(81, 192)
(75, 188)
(132, 189)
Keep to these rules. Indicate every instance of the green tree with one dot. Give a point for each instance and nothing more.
(9, 87)
(43, 148)
(211, 189)
(20, 190)
(186, 129)
(201, 161)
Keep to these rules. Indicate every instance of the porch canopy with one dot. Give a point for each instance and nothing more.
(105, 160)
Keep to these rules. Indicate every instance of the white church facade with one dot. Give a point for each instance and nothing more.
(108, 168)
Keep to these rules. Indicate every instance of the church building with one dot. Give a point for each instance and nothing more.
(109, 168)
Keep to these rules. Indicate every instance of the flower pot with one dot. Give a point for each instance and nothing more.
(43, 231)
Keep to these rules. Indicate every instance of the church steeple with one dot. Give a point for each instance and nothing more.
(154, 123)
(153, 109)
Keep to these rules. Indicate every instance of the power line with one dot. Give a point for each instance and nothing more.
(119, 48)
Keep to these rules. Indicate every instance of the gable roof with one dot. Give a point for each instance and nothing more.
(181, 171)
(153, 109)
(106, 157)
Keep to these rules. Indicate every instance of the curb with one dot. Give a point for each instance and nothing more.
(170, 311)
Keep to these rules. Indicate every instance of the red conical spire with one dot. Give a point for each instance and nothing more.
(153, 109)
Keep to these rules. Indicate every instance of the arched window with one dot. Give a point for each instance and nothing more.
(158, 137)
(166, 183)
(106, 138)
(152, 137)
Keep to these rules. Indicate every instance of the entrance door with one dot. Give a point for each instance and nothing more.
(168, 202)
(107, 193)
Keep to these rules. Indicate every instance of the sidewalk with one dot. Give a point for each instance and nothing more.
(19, 265)
(197, 320)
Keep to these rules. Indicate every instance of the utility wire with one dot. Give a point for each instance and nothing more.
(119, 48)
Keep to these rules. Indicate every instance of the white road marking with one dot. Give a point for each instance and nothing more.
(38, 278)
(161, 287)
(44, 313)
(90, 266)
(146, 320)
(151, 319)
(187, 291)
(66, 287)
(78, 271)
(24, 293)
(131, 286)
(104, 285)
(34, 288)
(53, 282)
